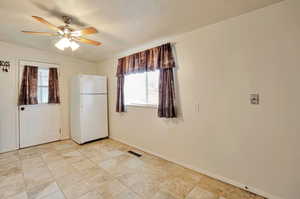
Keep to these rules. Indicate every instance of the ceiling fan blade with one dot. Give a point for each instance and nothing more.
(53, 27)
(87, 41)
(40, 33)
(85, 31)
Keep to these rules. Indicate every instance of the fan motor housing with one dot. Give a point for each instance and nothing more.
(67, 19)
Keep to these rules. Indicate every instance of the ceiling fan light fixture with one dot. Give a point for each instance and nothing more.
(74, 46)
(63, 43)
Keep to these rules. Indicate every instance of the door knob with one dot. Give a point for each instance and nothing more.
(22, 108)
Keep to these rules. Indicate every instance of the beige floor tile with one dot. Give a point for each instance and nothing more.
(64, 146)
(9, 154)
(11, 189)
(130, 179)
(98, 180)
(92, 172)
(83, 165)
(28, 153)
(111, 188)
(32, 163)
(9, 157)
(42, 190)
(177, 187)
(11, 178)
(55, 195)
(199, 193)
(113, 165)
(121, 165)
(12, 165)
(62, 170)
(37, 176)
(114, 153)
(145, 188)
(22, 195)
(97, 157)
(76, 190)
(92, 195)
(12, 170)
(216, 186)
(126, 195)
(162, 195)
(52, 157)
(73, 156)
(69, 179)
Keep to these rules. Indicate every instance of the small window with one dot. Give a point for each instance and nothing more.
(43, 81)
(141, 88)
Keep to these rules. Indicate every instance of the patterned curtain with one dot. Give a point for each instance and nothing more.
(160, 58)
(28, 91)
(53, 93)
(120, 95)
(166, 104)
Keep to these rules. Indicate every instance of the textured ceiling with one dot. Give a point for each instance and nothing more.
(122, 24)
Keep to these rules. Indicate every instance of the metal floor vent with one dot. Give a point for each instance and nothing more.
(134, 153)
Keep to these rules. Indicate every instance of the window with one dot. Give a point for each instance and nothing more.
(141, 88)
(43, 79)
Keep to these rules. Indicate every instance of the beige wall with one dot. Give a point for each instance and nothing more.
(218, 67)
(9, 93)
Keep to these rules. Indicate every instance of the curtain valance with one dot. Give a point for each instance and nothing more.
(159, 57)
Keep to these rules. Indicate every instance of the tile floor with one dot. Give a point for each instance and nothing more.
(102, 170)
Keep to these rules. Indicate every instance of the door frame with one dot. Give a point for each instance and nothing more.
(40, 64)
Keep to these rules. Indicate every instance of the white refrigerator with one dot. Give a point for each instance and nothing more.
(88, 108)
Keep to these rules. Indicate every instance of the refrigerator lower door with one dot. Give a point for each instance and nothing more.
(94, 124)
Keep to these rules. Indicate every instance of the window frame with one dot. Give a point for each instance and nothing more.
(144, 105)
(41, 65)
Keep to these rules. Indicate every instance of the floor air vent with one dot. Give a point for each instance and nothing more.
(134, 153)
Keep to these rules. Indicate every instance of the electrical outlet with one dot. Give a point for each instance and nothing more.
(254, 99)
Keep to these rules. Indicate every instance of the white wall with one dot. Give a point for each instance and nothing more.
(69, 66)
(218, 67)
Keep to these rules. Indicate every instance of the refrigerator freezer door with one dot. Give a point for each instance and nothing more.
(93, 117)
(92, 84)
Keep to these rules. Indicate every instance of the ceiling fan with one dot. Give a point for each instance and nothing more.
(68, 35)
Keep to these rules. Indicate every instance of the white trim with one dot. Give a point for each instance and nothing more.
(205, 172)
(142, 106)
(23, 62)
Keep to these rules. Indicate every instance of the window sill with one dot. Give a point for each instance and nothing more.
(142, 106)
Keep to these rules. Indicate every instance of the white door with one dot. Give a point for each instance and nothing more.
(39, 124)
(93, 117)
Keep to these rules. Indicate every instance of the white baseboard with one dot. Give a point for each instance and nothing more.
(205, 172)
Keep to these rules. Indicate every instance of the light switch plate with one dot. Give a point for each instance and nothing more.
(254, 99)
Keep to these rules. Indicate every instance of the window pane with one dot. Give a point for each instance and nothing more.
(43, 78)
(42, 95)
(135, 89)
(45, 95)
(39, 95)
(153, 78)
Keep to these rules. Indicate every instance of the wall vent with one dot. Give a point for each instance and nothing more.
(134, 153)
